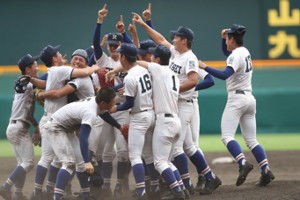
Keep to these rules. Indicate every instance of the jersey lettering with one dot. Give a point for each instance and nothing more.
(175, 68)
(248, 63)
(145, 83)
(174, 83)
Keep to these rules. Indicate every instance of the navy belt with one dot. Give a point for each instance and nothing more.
(190, 101)
(240, 92)
(168, 115)
(13, 121)
(25, 124)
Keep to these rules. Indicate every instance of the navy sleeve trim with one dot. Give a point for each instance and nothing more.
(226, 73)
(85, 131)
(206, 83)
(127, 104)
(96, 42)
(126, 38)
(109, 119)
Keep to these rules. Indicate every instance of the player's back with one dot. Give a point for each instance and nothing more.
(72, 115)
(138, 84)
(165, 89)
(57, 77)
(240, 61)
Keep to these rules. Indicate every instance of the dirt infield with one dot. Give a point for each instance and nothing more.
(285, 166)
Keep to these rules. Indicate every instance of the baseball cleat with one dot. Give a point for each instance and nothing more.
(19, 196)
(191, 189)
(211, 185)
(170, 195)
(201, 182)
(6, 194)
(265, 179)
(36, 196)
(243, 172)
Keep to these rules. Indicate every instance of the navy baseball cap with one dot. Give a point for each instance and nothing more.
(237, 29)
(80, 52)
(47, 54)
(184, 32)
(114, 38)
(26, 61)
(90, 51)
(161, 51)
(145, 45)
(127, 50)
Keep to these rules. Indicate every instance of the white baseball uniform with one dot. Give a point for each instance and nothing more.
(61, 130)
(167, 126)
(17, 131)
(138, 84)
(241, 104)
(182, 64)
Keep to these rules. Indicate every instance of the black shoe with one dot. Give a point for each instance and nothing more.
(36, 196)
(171, 195)
(19, 196)
(47, 195)
(201, 183)
(106, 194)
(265, 179)
(154, 193)
(243, 172)
(118, 192)
(136, 196)
(191, 189)
(211, 185)
(6, 194)
(187, 194)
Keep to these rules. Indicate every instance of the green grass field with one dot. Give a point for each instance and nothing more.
(212, 143)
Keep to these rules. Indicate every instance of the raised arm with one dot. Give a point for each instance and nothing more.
(190, 82)
(96, 40)
(156, 36)
(224, 46)
(221, 74)
(147, 15)
(132, 30)
(121, 29)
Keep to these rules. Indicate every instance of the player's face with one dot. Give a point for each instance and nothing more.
(112, 49)
(178, 42)
(229, 43)
(59, 59)
(145, 57)
(33, 70)
(78, 62)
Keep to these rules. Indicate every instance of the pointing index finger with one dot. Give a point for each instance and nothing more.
(121, 18)
(149, 6)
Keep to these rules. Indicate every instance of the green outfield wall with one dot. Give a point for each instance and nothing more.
(277, 93)
(273, 26)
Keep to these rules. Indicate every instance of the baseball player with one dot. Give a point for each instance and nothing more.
(63, 141)
(167, 127)
(184, 63)
(18, 129)
(241, 105)
(110, 134)
(138, 93)
(57, 76)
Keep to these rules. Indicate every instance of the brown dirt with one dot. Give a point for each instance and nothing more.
(284, 165)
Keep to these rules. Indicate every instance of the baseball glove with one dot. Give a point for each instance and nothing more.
(21, 83)
(37, 99)
(102, 78)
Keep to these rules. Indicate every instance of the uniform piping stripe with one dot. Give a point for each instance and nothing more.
(173, 185)
(140, 185)
(38, 186)
(185, 176)
(239, 157)
(206, 170)
(262, 163)
(59, 191)
(85, 190)
(9, 182)
(51, 184)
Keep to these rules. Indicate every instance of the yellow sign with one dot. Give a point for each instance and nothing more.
(283, 16)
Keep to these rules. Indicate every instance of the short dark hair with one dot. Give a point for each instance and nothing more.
(106, 94)
(130, 59)
(237, 37)
(188, 42)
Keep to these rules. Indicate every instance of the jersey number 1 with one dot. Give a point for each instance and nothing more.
(145, 83)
